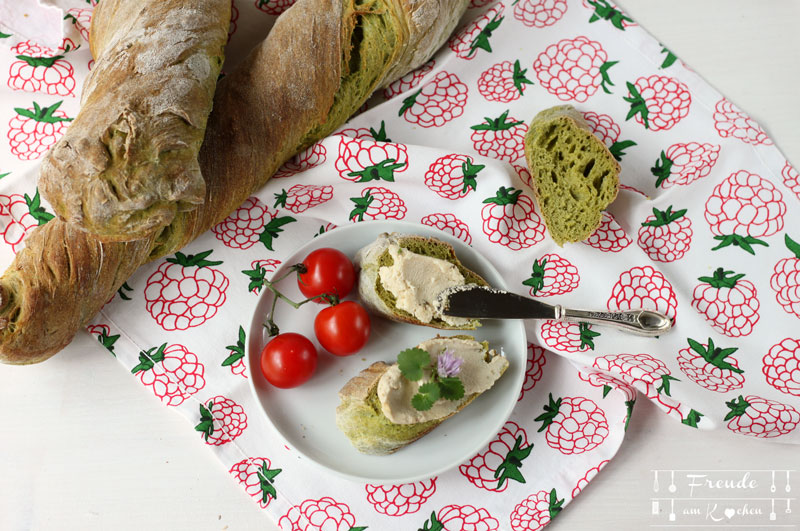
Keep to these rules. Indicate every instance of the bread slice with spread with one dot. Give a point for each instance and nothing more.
(377, 413)
(402, 275)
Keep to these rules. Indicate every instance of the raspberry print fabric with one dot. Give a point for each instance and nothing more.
(705, 235)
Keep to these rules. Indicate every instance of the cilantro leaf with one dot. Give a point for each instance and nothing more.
(428, 394)
(411, 361)
(451, 388)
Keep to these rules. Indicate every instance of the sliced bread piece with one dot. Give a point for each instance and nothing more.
(361, 417)
(575, 177)
(401, 275)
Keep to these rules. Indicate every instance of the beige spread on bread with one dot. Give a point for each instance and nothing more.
(477, 376)
(416, 281)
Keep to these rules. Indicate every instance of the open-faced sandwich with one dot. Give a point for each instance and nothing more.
(402, 275)
(388, 406)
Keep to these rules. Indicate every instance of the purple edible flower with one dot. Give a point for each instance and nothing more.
(447, 364)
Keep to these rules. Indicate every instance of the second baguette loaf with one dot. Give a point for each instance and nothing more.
(128, 162)
(320, 62)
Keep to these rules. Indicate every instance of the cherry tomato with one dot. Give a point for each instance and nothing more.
(342, 329)
(288, 360)
(328, 271)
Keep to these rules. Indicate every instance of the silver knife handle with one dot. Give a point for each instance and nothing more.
(642, 322)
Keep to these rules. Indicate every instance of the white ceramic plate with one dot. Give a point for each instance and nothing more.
(305, 416)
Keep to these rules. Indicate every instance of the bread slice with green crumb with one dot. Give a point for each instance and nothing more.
(401, 275)
(575, 176)
(360, 415)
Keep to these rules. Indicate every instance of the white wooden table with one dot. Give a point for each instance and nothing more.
(82, 447)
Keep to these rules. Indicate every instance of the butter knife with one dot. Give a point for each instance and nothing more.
(480, 302)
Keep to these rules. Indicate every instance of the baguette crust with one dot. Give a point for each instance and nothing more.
(259, 122)
(128, 162)
(368, 279)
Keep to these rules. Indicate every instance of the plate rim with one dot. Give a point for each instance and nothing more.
(380, 226)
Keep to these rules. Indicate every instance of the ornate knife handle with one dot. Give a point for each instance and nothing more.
(642, 322)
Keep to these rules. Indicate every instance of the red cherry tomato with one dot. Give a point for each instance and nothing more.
(328, 271)
(288, 360)
(342, 329)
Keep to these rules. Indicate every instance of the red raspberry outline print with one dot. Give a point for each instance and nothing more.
(234, 17)
(573, 69)
(240, 229)
(785, 279)
(589, 476)
(453, 176)
(363, 161)
(684, 163)
(273, 7)
(742, 209)
(408, 81)
(552, 275)
(710, 366)
(666, 235)
(235, 358)
(534, 369)
(609, 237)
(523, 174)
(536, 511)
(568, 337)
(461, 518)
(504, 82)
(81, 19)
(376, 202)
(222, 420)
(171, 371)
(760, 417)
(539, 13)
(35, 71)
(103, 334)
(258, 273)
(728, 302)
(607, 382)
(652, 375)
(32, 131)
(605, 10)
(316, 514)
(501, 138)
(476, 34)
(494, 468)
(19, 215)
(658, 102)
(400, 500)
(781, 366)
(642, 287)
(301, 197)
(510, 219)
(258, 478)
(449, 223)
(604, 127)
(362, 133)
(250, 223)
(440, 100)
(185, 291)
(731, 122)
(310, 157)
(573, 424)
(791, 178)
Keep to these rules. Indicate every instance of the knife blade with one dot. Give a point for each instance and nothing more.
(482, 302)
